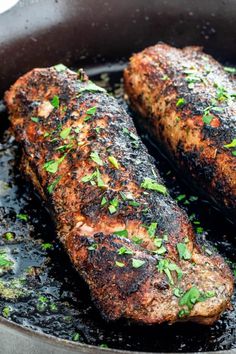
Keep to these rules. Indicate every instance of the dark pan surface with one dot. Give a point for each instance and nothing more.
(51, 296)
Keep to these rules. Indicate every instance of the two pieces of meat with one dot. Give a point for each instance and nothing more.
(128, 239)
(187, 103)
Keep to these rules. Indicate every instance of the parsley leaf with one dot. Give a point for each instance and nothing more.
(137, 263)
(119, 264)
(60, 67)
(55, 102)
(95, 157)
(65, 132)
(123, 250)
(184, 253)
(181, 102)
(231, 145)
(23, 217)
(114, 162)
(91, 87)
(52, 186)
(35, 119)
(151, 184)
(121, 233)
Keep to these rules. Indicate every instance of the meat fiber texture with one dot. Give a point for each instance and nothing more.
(186, 101)
(126, 236)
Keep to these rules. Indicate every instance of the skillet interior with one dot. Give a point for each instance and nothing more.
(194, 25)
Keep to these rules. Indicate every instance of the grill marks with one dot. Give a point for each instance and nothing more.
(94, 203)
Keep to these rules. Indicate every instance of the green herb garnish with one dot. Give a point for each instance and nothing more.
(53, 165)
(23, 217)
(95, 157)
(65, 133)
(47, 246)
(114, 162)
(103, 201)
(183, 251)
(191, 297)
(124, 251)
(91, 87)
(35, 119)
(55, 102)
(114, 203)
(121, 233)
(230, 70)
(151, 184)
(119, 264)
(60, 67)
(75, 337)
(231, 145)
(90, 112)
(52, 186)
(181, 102)
(137, 240)
(93, 247)
(137, 263)
(4, 261)
(6, 311)
(152, 229)
(167, 267)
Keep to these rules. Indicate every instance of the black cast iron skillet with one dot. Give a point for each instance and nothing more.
(92, 34)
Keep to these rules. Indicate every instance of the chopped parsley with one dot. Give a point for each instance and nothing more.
(232, 144)
(134, 203)
(52, 185)
(151, 184)
(137, 240)
(114, 162)
(165, 78)
(192, 77)
(100, 181)
(183, 251)
(103, 201)
(191, 297)
(207, 118)
(124, 251)
(95, 157)
(230, 70)
(119, 264)
(53, 165)
(9, 236)
(65, 133)
(152, 229)
(180, 197)
(75, 337)
(95, 175)
(90, 112)
(91, 87)
(47, 246)
(4, 261)
(167, 267)
(60, 67)
(134, 138)
(137, 263)
(55, 102)
(35, 119)
(177, 292)
(121, 233)
(23, 217)
(114, 203)
(93, 247)
(181, 102)
(6, 311)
